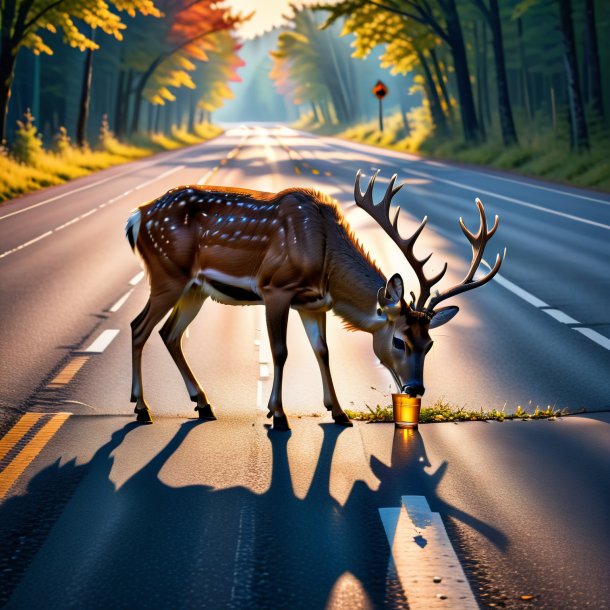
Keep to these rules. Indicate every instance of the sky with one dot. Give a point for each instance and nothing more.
(268, 13)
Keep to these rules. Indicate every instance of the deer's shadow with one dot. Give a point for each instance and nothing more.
(150, 545)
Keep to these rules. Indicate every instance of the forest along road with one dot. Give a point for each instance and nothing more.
(537, 335)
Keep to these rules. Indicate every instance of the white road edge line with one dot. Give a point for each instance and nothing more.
(426, 563)
(510, 199)
(557, 314)
(102, 342)
(401, 156)
(522, 294)
(71, 222)
(121, 301)
(560, 316)
(543, 188)
(136, 279)
(26, 244)
(594, 336)
(88, 186)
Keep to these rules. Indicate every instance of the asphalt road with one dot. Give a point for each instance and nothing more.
(540, 335)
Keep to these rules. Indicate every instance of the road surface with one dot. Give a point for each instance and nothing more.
(538, 335)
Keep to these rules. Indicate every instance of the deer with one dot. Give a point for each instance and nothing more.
(288, 250)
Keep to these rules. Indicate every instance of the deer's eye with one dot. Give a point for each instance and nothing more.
(398, 344)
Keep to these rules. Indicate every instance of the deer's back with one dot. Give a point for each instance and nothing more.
(273, 238)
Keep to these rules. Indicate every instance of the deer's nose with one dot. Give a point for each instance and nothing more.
(413, 389)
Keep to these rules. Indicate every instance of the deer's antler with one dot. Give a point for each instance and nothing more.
(478, 242)
(380, 213)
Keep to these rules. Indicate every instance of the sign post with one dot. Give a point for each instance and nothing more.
(380, 91)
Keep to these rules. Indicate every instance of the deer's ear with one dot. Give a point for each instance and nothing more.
(443, 315)
(395, 288)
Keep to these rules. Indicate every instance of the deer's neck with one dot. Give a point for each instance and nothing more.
(354, 281)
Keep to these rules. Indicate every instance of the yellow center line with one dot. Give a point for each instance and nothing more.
(66, 375)
(23, 459)
(17, 432)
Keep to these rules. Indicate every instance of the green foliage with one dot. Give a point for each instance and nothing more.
(443, 411)
(545, 155)
(28, 143)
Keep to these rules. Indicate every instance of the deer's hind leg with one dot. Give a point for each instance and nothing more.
(159, 303)
(184, 312)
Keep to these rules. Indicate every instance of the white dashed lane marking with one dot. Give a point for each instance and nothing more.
(556, 314)
(86, 214)
(120, 302)
(136, 279)
(26, 244)
(426, 563)
(102, 342)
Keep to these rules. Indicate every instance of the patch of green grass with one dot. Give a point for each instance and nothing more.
(446, 412)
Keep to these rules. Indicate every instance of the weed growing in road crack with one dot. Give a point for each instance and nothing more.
(446, 412)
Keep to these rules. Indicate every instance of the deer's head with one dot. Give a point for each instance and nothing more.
(402, 340)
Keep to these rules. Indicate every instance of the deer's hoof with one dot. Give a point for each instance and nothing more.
(143, 416)
(280, 422)
(343, 420)
(205, 412)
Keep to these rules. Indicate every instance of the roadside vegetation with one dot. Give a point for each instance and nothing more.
(443, 411)
(28, 166)
(520, 85)
(85, 84)
(543, 153)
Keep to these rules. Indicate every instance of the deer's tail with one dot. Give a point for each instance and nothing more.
(133, 228)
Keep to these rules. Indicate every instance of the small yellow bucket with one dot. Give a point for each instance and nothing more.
(406, 410)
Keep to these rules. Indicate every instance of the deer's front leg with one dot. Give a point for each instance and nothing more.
(277, 307)
(315, 327)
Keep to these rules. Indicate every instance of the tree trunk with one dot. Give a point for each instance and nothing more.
(315, 112)
(151, 118)
(85, 98)
(479, 70)
(470, 125)
(7, 71)
(507, 123)
(524, 72)
(442, 84)
(157, 119)
(592, 59)
(436, 110)
(118, 104)
(405, 118)
(138, 98)
(578, 123)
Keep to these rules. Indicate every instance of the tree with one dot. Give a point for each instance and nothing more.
(441, 17)
(318, 67)
(491, 12)
(184, 36)
(404, 52)
(579, 133)
(592, 59)
(22, 20)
